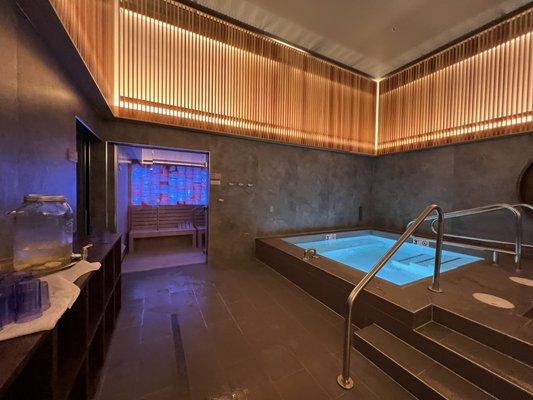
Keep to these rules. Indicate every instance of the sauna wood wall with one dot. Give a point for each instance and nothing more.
(478, 88)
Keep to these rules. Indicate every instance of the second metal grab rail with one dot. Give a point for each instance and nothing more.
(344, 378)
(518, 243)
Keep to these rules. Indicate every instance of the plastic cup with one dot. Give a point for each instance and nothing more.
(28, 299)
(45, 296)
(4, 309)
(7, 302)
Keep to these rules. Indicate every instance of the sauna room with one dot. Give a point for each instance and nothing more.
(266, 200)
(161, 207)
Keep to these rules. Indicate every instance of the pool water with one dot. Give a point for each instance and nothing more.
(410, 263)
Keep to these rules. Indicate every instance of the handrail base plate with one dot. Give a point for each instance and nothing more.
(431, 288)
(345, 384)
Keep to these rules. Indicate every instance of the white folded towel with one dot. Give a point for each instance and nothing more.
(63, 294)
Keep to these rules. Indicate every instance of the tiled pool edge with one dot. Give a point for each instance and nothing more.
(341, 247)
(332, 290)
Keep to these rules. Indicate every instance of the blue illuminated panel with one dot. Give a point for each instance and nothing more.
(160, 184)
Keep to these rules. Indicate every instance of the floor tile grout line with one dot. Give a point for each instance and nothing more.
(199, 308)
(312, 377)
(317, 383)
(287, 348)
(292, 284)
(309, 332)
(230, 313)
(286, 312)
(377, 367)
(293, 316)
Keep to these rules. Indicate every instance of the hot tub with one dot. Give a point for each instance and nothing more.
(362, 249)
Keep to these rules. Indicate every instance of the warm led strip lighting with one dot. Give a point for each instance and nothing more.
(513, 42)
(191, 36)
(481, 87)
(232, 123)
(509, 122)
(161, 61)
(248, 85)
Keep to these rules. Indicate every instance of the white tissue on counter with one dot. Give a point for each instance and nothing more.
(63, 294)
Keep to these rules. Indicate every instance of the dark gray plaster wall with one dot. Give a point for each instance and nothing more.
(308, 189)
(38, 105)
(455, 177)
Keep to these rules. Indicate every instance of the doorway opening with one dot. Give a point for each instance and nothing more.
(162, 206)
(85, 140)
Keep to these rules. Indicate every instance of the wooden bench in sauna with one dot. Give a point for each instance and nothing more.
(161, 221)
(200, 223)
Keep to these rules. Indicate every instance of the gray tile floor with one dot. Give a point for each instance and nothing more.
(243, 330)
(146, 260)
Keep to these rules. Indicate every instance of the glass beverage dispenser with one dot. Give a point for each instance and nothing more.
(43, 233)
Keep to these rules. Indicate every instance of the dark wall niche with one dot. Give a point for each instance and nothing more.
(525, 184)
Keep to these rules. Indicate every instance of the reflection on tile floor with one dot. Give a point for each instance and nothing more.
(245, 333)
(146, 260)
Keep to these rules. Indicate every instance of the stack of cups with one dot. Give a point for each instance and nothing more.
(22, 298)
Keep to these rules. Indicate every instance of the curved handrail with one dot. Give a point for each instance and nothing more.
(344, 379)
(470, 211)
(523, 205)
(490, 208)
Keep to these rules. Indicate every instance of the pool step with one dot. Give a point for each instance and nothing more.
(504, 343)
(497, 373)
(371, 383)
(421, 375)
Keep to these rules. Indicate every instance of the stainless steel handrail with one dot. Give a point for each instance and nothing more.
(344, 378)
(518, 243)
(471, 211)
(494, 241)
(523, 205)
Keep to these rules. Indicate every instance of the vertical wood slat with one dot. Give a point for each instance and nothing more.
(90, 25)
(183, 67)
(478, 88)
(179, 66)
(230, 80)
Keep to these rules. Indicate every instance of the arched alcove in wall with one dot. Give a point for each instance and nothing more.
(525, 184)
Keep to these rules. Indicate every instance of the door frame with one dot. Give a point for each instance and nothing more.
(85, 140)
(152, 146)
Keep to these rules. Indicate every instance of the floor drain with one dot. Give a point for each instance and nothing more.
(493, 300)
(522, 281)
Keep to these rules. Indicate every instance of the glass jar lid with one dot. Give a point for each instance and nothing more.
(31, 198)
